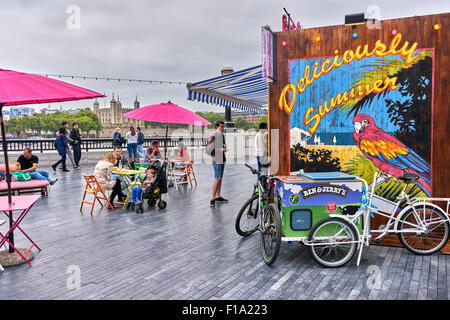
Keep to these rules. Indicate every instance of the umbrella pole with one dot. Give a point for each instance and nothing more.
(8, 175)
(165, 143)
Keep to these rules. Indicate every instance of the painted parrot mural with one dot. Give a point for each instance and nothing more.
(389, 154)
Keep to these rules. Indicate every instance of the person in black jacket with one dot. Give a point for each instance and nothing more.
(75, 142)
(61, 145)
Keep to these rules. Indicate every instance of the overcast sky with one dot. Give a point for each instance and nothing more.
(179, 40)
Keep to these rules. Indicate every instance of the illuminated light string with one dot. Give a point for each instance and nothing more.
(113, 79)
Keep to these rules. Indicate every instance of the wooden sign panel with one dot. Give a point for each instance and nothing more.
(360, 99)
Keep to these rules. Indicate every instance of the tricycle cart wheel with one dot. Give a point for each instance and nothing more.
(151, 202)
(435, 236)
(270, 233)
(333, 242)
(247, 220)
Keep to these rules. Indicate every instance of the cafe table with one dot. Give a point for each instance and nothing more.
(130, 179)
(22, 204)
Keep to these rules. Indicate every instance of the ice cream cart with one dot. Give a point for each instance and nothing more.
(321, 205)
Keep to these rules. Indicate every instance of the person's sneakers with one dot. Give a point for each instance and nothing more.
(60, 166)
(212, 203)
(220, 199)
(113, 207)
(64, 169)
(54, 167)
(52, 182)
(77, 167)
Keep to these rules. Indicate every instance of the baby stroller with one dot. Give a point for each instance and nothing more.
(153, 193)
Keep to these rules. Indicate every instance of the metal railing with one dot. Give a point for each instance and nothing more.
(99, 143)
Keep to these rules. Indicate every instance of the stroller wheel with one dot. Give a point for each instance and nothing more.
(128, 206)
(162, 204)
(139, 208)
(151, 202)
(132, 206)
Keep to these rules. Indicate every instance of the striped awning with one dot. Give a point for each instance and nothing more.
(243, 90)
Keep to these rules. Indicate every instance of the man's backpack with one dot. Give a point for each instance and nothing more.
(210, 146)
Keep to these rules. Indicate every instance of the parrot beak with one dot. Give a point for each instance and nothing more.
(358, 127)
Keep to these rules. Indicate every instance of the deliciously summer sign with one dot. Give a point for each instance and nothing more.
(365, 109)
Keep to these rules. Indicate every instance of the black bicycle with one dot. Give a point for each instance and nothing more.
(259, 214)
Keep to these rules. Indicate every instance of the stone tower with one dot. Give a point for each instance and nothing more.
(96, 107)
(113, 105)
(136, 103)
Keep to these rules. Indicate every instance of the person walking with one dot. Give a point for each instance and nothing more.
(103, 173)
(76, 144)
(261, 146)
(118, 140)
(61, 146)
(140, 143)
(132, 139)
(69, 153)
(216, 148)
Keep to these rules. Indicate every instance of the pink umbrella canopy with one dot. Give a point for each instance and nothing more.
(167, 113)
(17, 88)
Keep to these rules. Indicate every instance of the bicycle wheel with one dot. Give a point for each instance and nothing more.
(247, 220)
(333, 242)
(270, 234)
(435, 235)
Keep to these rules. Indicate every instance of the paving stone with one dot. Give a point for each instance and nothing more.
(191, 251)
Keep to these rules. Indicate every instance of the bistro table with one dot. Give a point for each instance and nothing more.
(22, 204)
(126, 177)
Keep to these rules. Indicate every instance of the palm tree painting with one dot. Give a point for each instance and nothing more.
(403, 115)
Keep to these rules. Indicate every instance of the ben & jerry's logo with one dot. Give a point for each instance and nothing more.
(325, 189)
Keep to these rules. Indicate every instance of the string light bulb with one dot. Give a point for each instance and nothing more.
(284, 43)
(318, 38)
(436, 27)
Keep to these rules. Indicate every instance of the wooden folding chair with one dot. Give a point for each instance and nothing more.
(93, 187)
(190, 172)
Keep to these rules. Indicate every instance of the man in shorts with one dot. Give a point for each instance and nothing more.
(216, 148)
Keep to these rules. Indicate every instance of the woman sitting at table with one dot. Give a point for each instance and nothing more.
(102, 172)
(182, 153)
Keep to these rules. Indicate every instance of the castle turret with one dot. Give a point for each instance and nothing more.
(96, 106)
(113, 107)
(136, 103)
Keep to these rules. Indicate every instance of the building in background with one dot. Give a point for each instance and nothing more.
(112, 117)
(248, 116)
(20, 111)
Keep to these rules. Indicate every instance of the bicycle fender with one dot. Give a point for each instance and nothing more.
(416, 204)
(348, 220)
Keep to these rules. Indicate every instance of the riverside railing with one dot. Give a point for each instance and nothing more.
(41, 145)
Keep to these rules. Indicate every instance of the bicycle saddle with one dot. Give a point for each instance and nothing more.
(409, 178)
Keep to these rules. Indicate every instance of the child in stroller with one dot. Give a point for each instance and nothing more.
(152, 188)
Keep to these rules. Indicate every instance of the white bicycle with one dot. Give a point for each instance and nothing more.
(421, 226)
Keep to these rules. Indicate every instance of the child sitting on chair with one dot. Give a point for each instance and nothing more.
(136, 195)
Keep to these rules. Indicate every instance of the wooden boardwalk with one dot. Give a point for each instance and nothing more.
(191, 251)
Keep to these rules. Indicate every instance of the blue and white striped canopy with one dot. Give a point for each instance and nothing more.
(243, 90)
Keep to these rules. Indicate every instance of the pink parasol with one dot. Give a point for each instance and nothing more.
(167, 113)
(17, 88)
